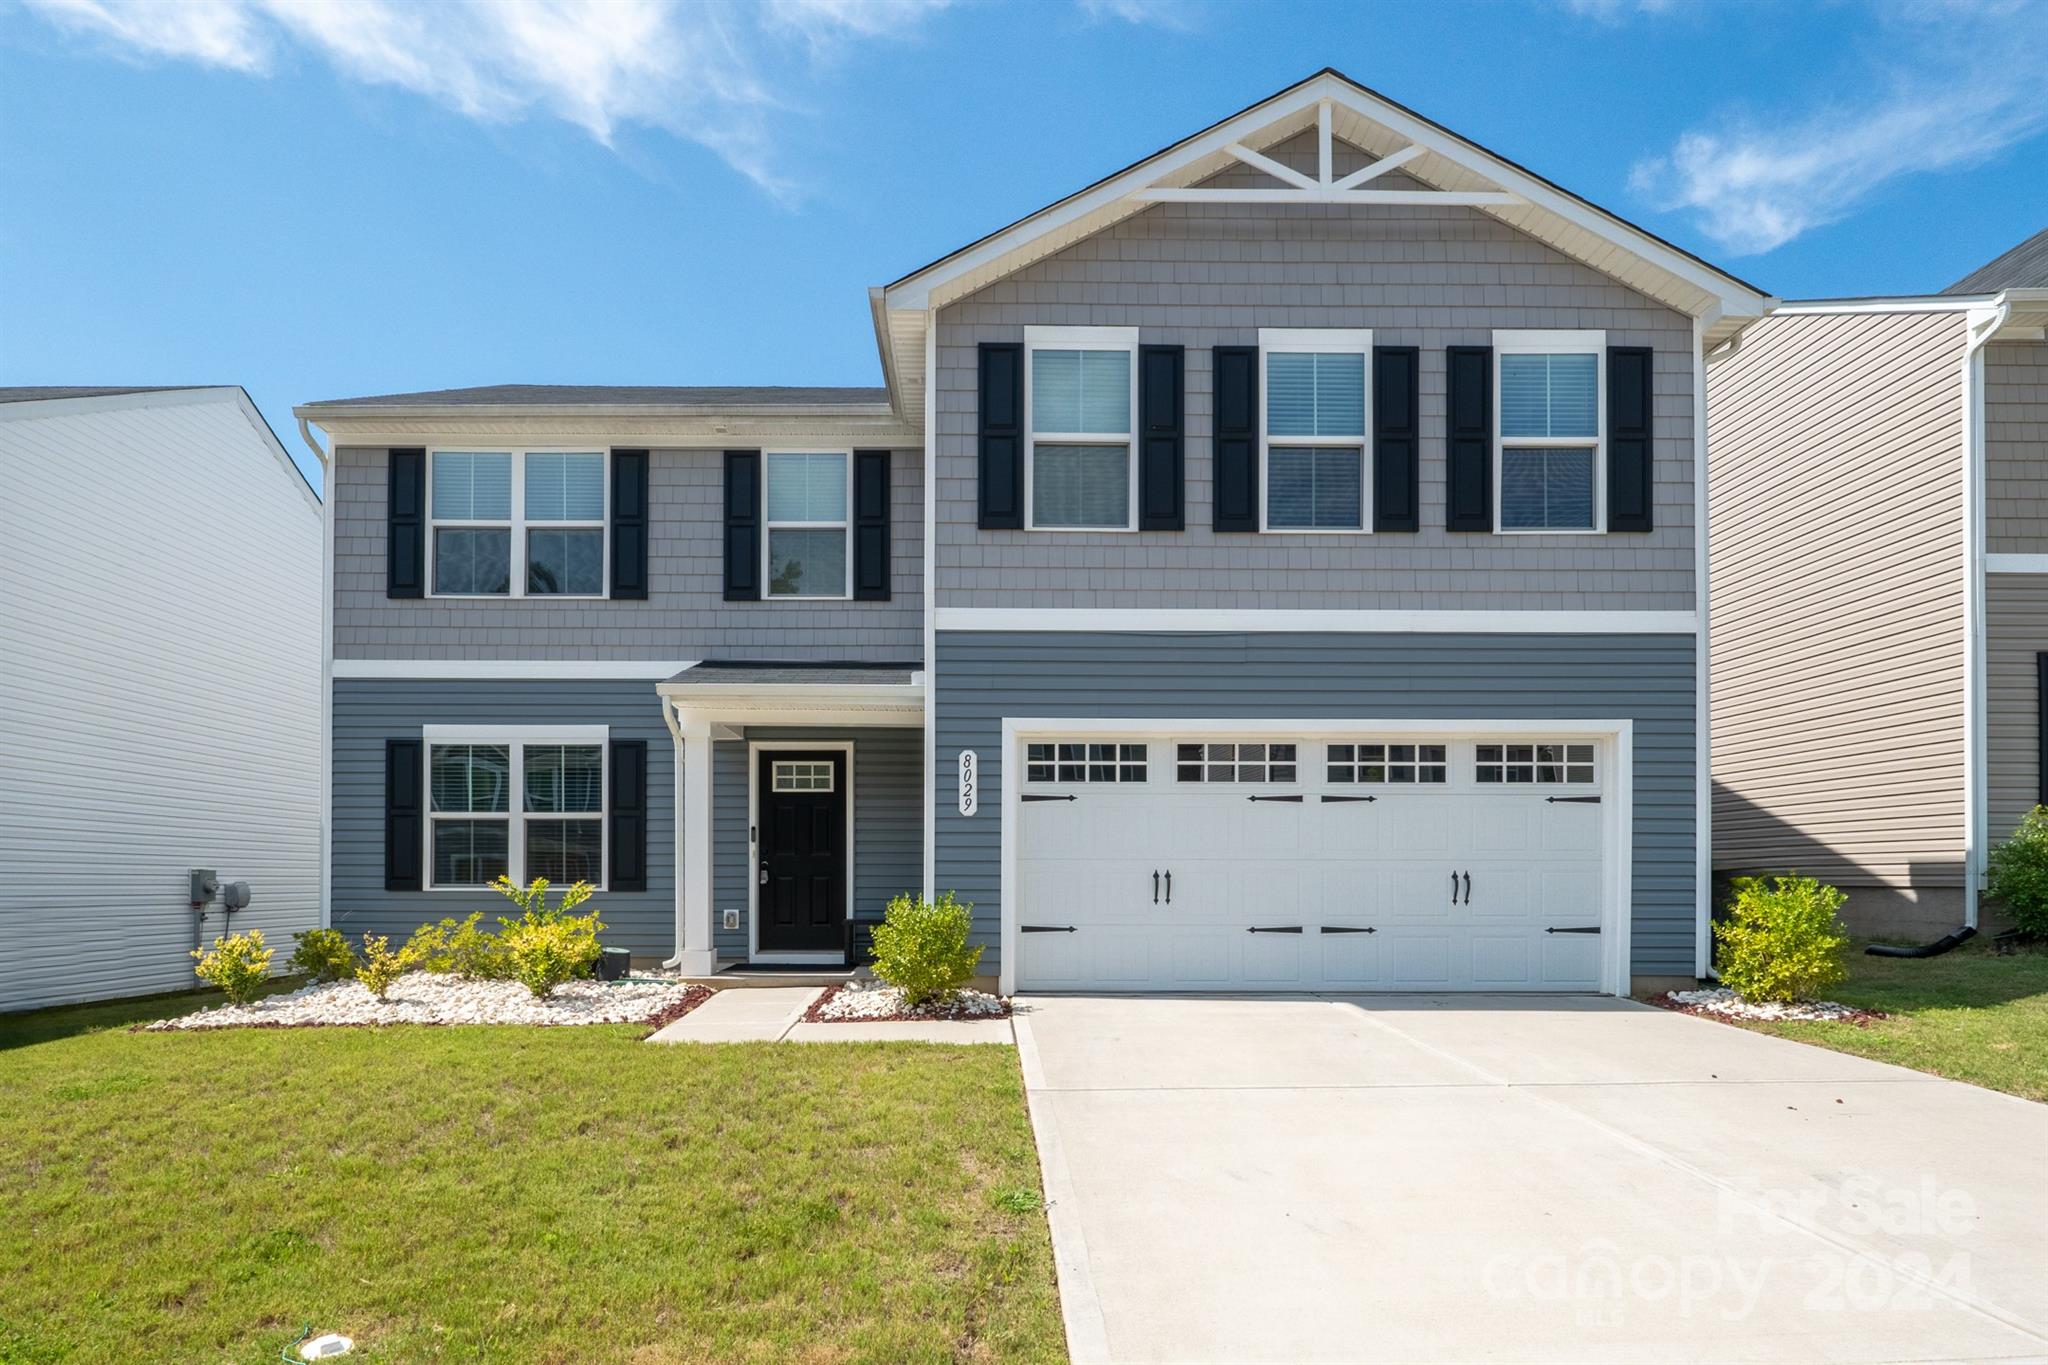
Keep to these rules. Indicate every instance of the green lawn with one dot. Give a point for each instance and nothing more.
(1970, 1015)
(494, 1194)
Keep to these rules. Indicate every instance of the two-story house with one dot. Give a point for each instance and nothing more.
(1880, 590)
(1276, 566)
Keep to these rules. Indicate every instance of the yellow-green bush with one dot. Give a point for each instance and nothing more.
(463, 947)
(921, 948)
(381, 964)
(324, 955)
(543, 947)
(1783, 940)
(238, 964)
(2019, 873)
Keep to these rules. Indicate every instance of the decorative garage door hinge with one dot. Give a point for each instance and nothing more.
(1272, 798)
(1040, 796)
(1327, 798)
(1576, 929)
(1573, 800)
(1046, 928)
(1281, 929)
(1345, 929)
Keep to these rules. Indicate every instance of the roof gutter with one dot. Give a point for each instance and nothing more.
(319, 412)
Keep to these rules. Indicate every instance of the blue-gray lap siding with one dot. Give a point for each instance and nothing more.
(888, 838)
(981, 677)
(367, 713)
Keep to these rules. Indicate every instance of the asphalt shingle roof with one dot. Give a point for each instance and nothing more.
(37, 393)
(2023, 267)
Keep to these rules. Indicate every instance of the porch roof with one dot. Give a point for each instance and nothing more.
(798, 693)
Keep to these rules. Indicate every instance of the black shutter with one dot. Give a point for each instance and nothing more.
(870, 525)
(405, 525)
(628, 816)
(1235, 438)
(742, 525)
(1161, 443)
(1628, 438)
(403, 814)
(2041, 734)
(1468, 433)
(1396, 433)
(1001, 436)
(629, 525)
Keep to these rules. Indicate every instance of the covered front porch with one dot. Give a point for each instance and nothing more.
(800, 800)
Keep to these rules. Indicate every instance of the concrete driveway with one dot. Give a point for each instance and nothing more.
(1440, 1178)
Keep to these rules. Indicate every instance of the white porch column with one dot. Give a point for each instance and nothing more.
(695, 955)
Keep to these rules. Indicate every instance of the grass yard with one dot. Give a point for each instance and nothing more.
(503, 1194)
(1969, 1015)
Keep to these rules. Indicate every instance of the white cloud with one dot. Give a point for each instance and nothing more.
(705, 70)
(1172, 14)
(1967, 86)
(1615, 11)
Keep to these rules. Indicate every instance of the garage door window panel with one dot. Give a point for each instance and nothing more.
(1084, 761)
(1552, 763)
(1235, 762)
(1388, 764)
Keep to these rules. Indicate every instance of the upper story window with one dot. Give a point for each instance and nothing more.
(515, 803)
(809, 553)
(1314, 428)
(1549, 412)
(524, 523)
(1081, 391)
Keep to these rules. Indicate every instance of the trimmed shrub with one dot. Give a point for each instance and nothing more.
(238, 964)
(324, 955)
(381, 965)
(2019, 873)
(1783, 941)
(921, 948)
(543, 947)
(464, 947)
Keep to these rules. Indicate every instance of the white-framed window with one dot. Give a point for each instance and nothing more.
(802, 775)
(1545, 763)
(518, 523)
(1395, 764)
(1314, 391)
(519, 802)
(1235, 761)
(1550, 429)
(1073, 760)
(807, 548)
(1080, 413)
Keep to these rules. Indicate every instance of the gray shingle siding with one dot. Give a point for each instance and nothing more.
(2016, 448)
(685, 615)
(888, 838)
(1204, 276)
(368, 713)
(983, 677)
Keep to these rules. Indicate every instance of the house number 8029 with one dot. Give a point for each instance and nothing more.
(970, 782)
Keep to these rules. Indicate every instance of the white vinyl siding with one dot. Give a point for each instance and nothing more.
(160, 697)
(1081, 401)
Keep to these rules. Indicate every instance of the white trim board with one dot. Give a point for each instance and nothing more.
(2015, 563)
(490, 670)
(1195, 619)
(1617, 736)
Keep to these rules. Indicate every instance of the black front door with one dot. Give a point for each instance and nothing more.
(802, 852)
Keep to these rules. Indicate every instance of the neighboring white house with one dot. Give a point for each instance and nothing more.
(160, 648)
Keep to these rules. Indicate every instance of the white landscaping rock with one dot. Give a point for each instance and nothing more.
(886, 1002)
(1721, 1000)
(428, 998)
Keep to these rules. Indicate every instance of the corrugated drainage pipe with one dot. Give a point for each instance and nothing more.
(1934, 949)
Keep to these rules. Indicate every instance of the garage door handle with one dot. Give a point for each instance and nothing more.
(1169, 886)
(1046, 928)
(1272, 798)
(1574, 800)
(1326, 798)
(1041, 796)
(1468, 888)
(1576, 929)
(1345, 929)
(1282, 929)
(1155, 887)
(1454, 888)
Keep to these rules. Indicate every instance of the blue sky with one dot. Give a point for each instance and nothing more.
(318, 199)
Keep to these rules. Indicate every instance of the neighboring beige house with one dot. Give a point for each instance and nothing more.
(1878, 588)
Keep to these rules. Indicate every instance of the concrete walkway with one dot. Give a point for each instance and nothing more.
(774, 1013)
(1412, 1179)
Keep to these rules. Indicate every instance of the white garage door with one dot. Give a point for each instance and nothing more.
(1355, 863)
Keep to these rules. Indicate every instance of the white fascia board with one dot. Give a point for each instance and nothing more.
(1197, 620)
(1903, 303)
(498, 670)
(2015, 563)
(915, 291)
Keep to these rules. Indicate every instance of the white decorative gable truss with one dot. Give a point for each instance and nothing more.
(1435, 167)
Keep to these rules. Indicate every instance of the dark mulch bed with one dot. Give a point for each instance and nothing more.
(1861, 1018)
(813, 1015)
(693, 996)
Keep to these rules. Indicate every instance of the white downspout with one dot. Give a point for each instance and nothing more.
(326, 675)
(1982, 326)
(1703, 748)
